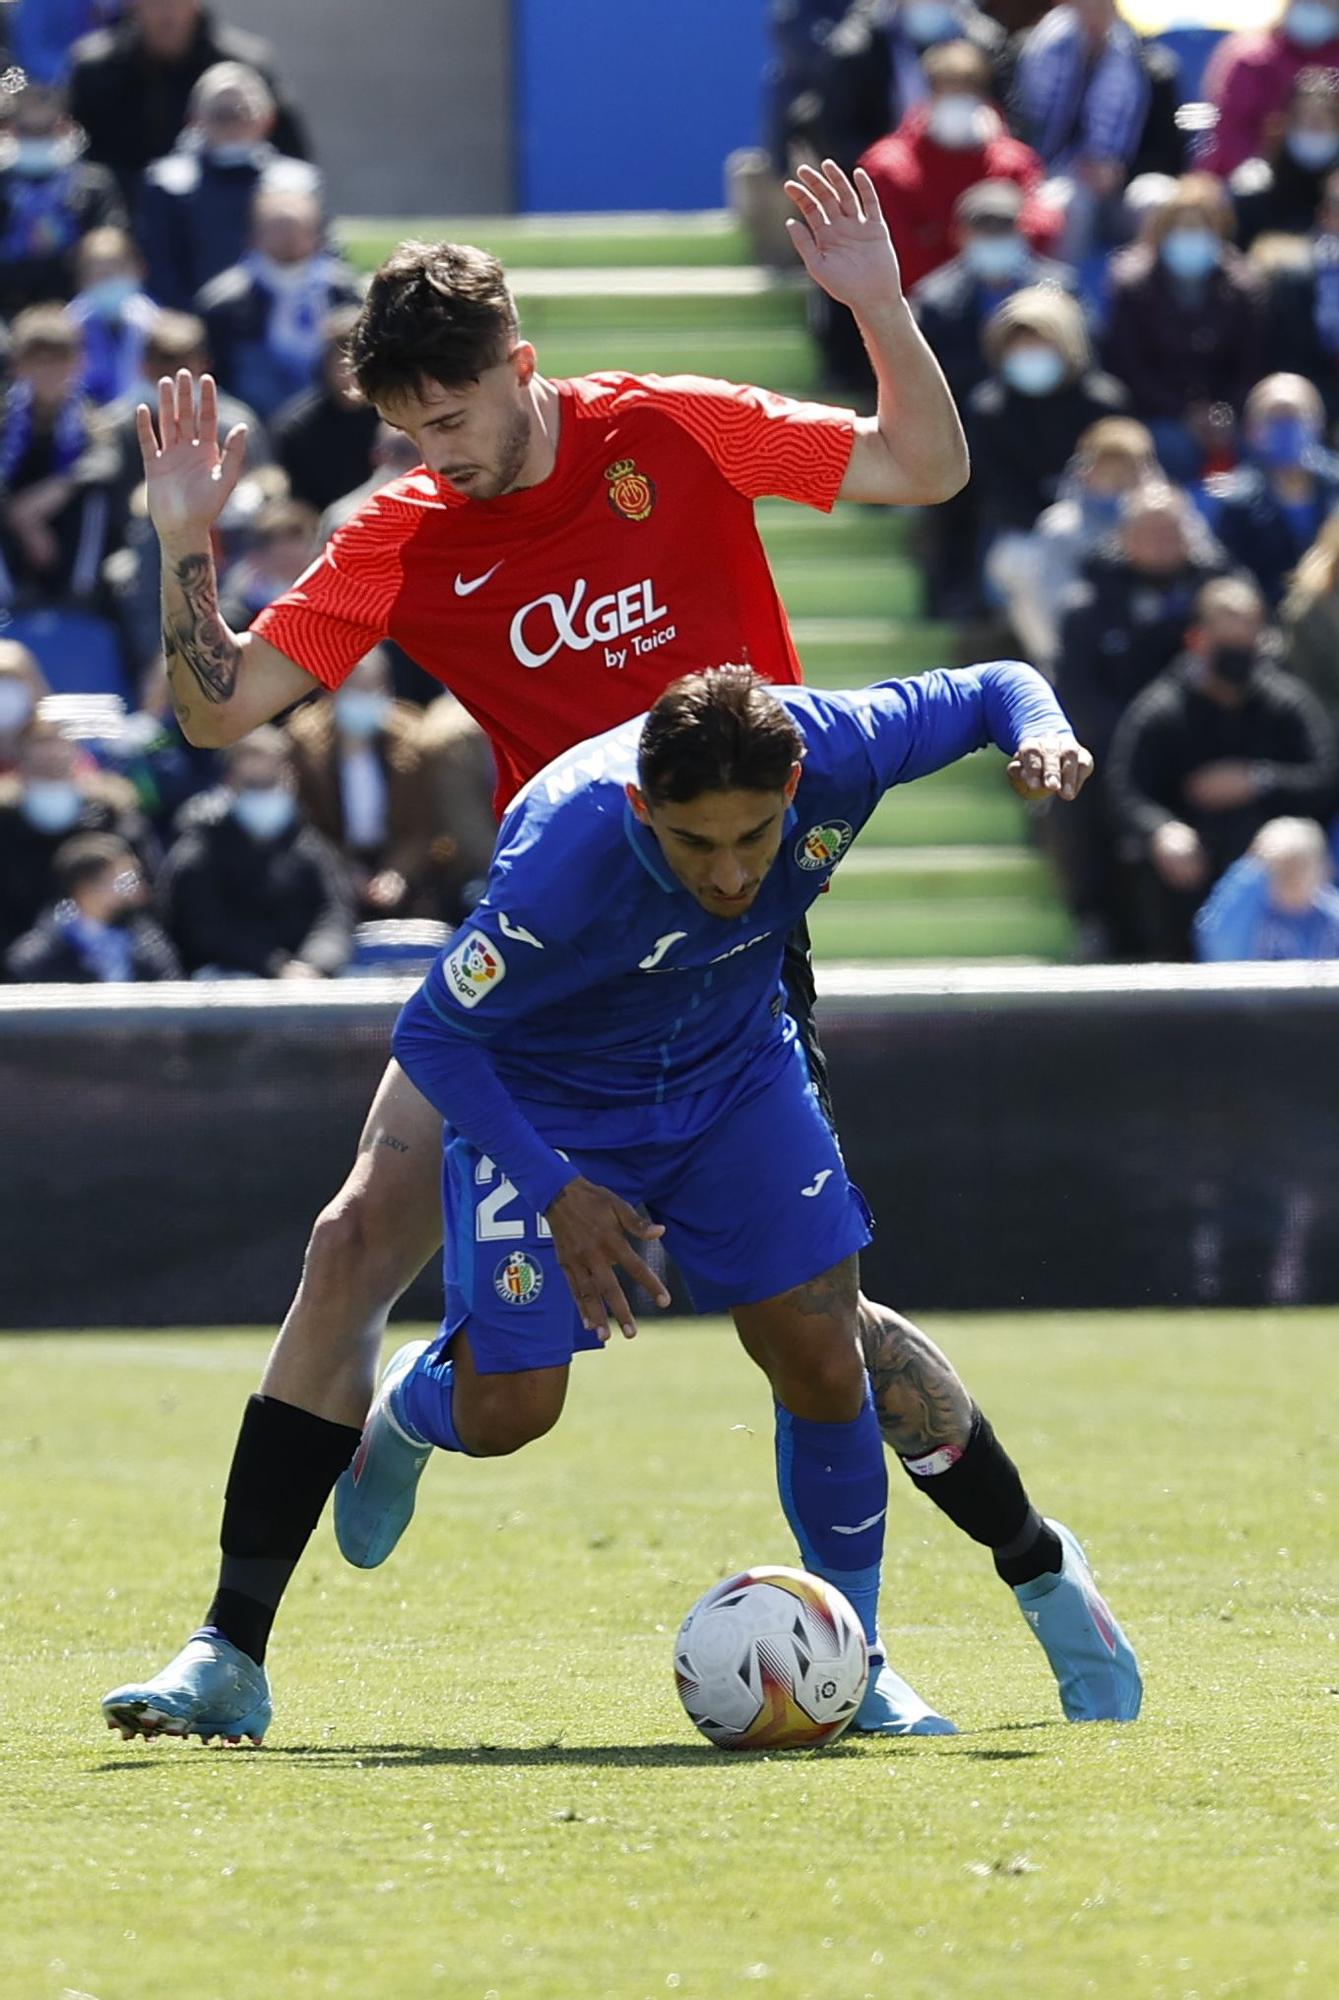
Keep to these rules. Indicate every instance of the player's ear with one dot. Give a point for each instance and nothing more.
(524, 360)
(637, 800)
(793, 781)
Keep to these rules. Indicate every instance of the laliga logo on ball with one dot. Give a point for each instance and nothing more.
(631, 493)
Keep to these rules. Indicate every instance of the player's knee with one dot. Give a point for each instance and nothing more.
(835, 1376)
(501, 1418)
(354, 1248)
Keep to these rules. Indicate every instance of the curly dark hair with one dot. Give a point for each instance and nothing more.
(434, 312)
(719, 731)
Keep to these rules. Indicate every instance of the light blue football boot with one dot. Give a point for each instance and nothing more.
(1090, 1656)
(892, 1708)
(374, 1499)
(210, 1689)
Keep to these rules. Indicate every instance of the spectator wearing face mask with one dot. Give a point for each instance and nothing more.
(943, 147)
(1081, 96)
(265, 318)
(196, 203)
(871, 71)
(51, 196)
(1277, 903)
(1250, 78)
(114, 315)
(1218, 745)
(362, 783)
(283, 544)
(1278, 192)
(1025, 421)
(324, 437)
(130, 83)
(100, 930)
(173, 341)
(1034, 573)
(22, 686)
(51, 796)
(249, 888)
(1186, 327)
(1121, 625)
(1269, 510)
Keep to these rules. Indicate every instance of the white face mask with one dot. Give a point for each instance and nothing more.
(957, 121)
(265, 813)
(239, 153)
(50, 805)
(36, 158)
(16, 703)
(361, 711)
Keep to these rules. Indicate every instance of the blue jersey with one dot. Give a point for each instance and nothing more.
(589, 977)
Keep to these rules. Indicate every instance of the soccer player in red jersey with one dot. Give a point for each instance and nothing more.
(566, 549)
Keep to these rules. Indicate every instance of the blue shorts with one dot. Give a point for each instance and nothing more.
(753, 1194)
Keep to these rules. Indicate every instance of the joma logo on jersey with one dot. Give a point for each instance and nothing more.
(518, 1279)
(631, 493)
(824, 845)
(548, 623)
(474, 968)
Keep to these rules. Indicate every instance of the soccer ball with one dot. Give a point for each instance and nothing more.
(772, 1660)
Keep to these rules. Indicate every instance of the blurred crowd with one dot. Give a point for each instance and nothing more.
(1125, 254)
(160, 209)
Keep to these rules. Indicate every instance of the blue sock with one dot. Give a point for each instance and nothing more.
(422, 1402)
(833, 1480)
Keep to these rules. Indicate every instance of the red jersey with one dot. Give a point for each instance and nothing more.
(561, 610)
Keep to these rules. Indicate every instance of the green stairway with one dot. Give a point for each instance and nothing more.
(946, 869)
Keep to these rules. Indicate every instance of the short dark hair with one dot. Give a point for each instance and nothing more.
(87, 856)
(438, 312)
(719, 731)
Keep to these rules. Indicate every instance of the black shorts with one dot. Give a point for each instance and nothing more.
(797, 976)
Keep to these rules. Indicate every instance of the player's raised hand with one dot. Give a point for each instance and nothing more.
(1050, 767)
(841, 235)
(188, 478)
(591, 1226)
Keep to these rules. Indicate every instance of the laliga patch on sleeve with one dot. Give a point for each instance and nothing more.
(474, 969)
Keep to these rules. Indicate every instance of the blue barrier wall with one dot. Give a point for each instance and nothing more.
(631, 104)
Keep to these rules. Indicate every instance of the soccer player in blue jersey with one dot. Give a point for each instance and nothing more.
(593, 1056)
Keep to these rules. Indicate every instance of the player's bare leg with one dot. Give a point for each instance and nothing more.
(367, 1246)
(831, 1471)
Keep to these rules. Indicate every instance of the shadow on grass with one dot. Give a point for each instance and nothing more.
(535, 1756)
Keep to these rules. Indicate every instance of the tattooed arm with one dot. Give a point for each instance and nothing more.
(223, 684)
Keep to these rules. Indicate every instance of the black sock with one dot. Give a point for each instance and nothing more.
(982, 1494)
(283, 1471)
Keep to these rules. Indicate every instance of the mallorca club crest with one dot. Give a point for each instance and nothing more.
(518, 1279)
(824, 846)
(631, 493)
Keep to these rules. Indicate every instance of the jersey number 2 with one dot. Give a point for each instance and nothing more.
(490, 1226)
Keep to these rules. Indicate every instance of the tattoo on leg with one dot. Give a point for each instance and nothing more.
(833, 1291)
(199, 636)
(396, 1145)
(920, 1400)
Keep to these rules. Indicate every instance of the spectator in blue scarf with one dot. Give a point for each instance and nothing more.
(1268, 511)
(100, 930)
(114, 314)
(51, 195)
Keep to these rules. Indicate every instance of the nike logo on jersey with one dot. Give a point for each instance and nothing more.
(658, 950)
(464, 589)
(860, 1526)
(516, 931)
(817, 1188)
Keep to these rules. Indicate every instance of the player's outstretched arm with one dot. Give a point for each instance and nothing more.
(223, 684)
(912, 452)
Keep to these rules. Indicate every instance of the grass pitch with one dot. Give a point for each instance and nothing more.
(479, 1781)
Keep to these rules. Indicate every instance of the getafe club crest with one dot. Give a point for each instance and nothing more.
(631, 493)
(824, 846)
(518, 1279)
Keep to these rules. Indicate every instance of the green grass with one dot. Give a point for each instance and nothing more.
(555, 241)
(479, 1781)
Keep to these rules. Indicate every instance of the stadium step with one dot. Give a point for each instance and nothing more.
(526, 241)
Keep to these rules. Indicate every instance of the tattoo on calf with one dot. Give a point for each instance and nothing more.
(920, 1400)
(199, 636)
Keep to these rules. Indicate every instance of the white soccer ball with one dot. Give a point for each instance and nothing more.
(771, 1660)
